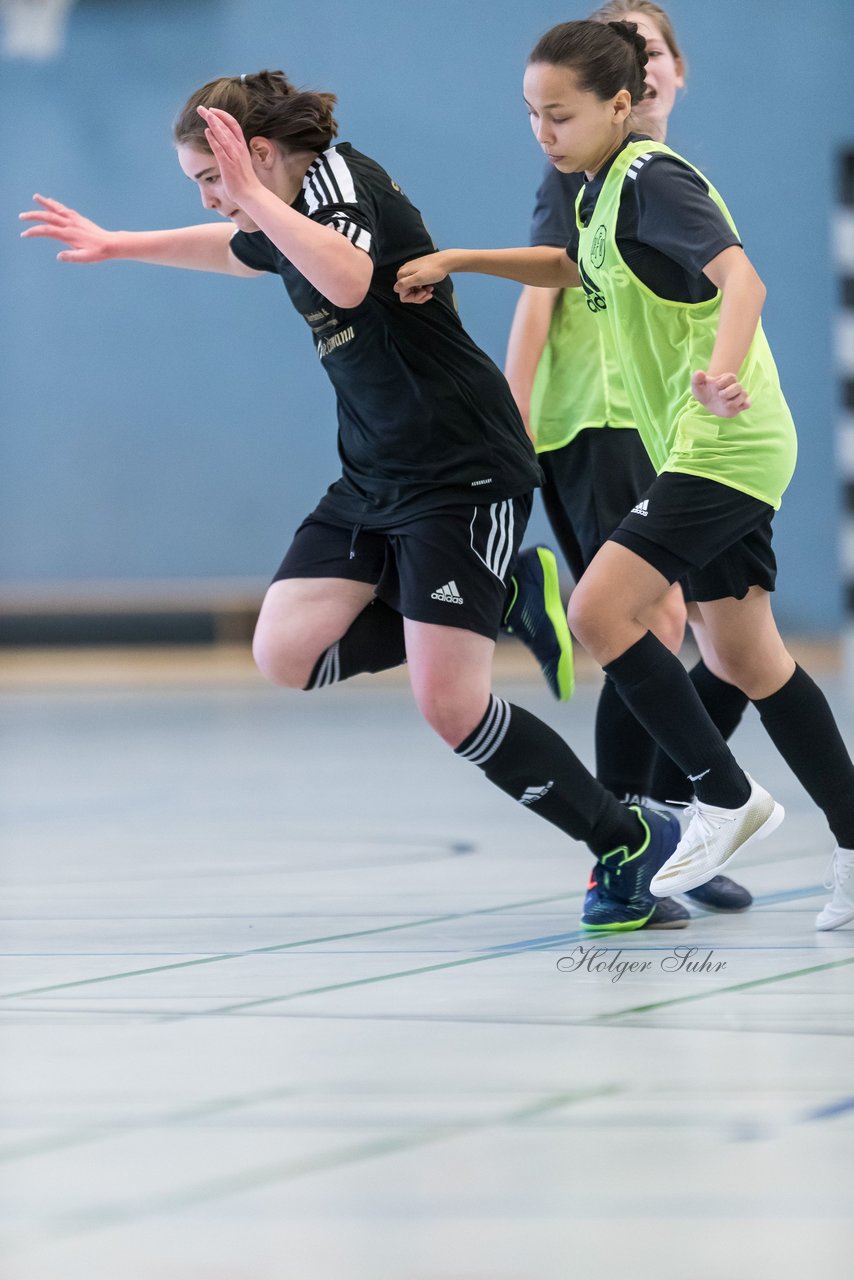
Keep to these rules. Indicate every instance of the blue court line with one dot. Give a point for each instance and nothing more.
(275, 948)
(832, 1109)
(764, 900)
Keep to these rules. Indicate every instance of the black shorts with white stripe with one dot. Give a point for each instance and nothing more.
(450, 567)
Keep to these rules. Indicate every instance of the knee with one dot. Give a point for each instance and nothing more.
(279, 662)
(746, 669)
(587, 620)
(667, 622)
(453, 719)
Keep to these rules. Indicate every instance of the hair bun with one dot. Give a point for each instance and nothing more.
(628, 31)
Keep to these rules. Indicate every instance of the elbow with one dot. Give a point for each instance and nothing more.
(351, 285)
(348, 294)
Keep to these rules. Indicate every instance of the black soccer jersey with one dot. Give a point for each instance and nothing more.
(425, 419)
(668, 226)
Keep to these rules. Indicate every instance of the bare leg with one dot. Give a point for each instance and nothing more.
(299, 619)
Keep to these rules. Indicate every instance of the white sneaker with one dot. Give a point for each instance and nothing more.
(713, 837)
(840, 909)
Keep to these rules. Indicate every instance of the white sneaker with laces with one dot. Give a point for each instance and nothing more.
(840, 909)
(713, 837)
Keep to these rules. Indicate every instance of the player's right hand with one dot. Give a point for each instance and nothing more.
(415, 279)
(86, 240)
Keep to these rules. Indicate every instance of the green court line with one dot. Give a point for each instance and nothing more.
(466, 960)
(347, 986)
(83, 1136)
(719, 991)
(104, 1216)
(286, 946)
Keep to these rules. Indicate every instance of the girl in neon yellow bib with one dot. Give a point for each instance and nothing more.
(706, 400)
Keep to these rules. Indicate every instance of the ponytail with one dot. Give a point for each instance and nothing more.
(265, 105)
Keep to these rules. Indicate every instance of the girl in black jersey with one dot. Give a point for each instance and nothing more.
(437, 473)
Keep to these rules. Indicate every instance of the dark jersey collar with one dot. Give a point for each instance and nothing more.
(594, 185)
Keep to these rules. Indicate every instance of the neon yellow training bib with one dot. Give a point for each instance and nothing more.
(659, 344)
(577, 384)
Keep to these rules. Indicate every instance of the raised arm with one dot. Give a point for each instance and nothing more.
(201, 248)
(541, 266)
(327, 259)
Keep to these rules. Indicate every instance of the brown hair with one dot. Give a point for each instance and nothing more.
(607, 57)
(615, 9)
(265, 105)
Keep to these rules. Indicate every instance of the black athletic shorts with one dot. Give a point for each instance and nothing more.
(450, 566)
(714, 539)
(591, 484)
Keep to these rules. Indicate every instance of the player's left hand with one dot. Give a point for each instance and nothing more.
(724, 396)
(225, 139)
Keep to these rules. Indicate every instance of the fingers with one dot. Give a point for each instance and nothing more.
(42, 230)
(417, 294)
(409, 279)
(54, 205)
(723, 395)
(411, 285)
(221, 126)
(53, 218)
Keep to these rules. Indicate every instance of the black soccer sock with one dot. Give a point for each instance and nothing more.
(653, 683)
(802, 727)
(725, 705)
(533, 764)
(624, 750)
(374, 642)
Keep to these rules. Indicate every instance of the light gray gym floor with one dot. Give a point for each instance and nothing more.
(281, 1000)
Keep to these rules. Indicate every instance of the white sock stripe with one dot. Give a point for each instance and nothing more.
(316, 682)
(323, 673)
(486, 727)
(498, 736)
(329, 671)
(491, 735)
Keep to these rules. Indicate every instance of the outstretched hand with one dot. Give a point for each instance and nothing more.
(225, 139)
(88, 242)
(415, 279)
(724, 396)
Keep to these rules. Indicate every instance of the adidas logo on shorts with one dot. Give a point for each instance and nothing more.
(642, 509)
(449, 593)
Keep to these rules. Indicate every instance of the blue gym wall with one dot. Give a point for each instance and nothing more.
(168, 425)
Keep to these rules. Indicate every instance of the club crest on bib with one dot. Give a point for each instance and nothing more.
(597, 252)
